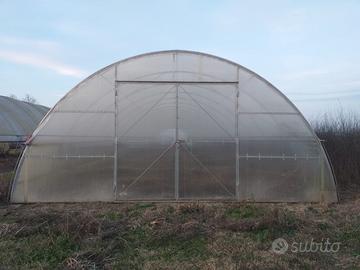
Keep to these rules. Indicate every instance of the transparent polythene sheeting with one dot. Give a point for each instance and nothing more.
(80, 124)
(71, 146)
(148, 177)
(64, 179)
(114, 137)
(177, 66)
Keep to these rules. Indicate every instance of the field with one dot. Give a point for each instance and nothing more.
(191, 235)
(177, 236)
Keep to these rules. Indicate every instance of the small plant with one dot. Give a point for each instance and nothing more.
(184, 250)
(246, 211)
(191, 208)
(49, 251)
(113, 216)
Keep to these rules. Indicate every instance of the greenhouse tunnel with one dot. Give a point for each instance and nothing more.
(18, 119)
(174, 125)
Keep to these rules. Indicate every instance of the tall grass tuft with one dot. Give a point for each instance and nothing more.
(340, 133)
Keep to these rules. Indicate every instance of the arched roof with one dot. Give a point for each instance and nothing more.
(18, 118)
(251, 75)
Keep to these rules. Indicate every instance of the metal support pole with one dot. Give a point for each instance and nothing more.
(115, 137)
(237, 142)
(26, 160)
(237, 170)
(177, 145)
(322, 178)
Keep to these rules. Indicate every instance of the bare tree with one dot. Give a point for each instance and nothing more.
(341, 134)
(13, 96)
(29, 99)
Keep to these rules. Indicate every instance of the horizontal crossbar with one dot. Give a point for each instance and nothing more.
(283, 157)
(179, 82)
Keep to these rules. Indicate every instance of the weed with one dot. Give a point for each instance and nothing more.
(138, 209)
(160, 236)
(113, 216)
(183, 250)
(244, 211)
(263, 235)
(323, 226)
(47, 251)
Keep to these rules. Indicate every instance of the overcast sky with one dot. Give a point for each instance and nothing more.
(307, 49)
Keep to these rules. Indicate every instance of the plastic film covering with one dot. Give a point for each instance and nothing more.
(18, 119)
(174, 125)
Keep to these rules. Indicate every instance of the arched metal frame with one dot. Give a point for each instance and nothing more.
(191, 157)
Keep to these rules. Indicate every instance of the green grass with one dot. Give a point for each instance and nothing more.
(172, 236)
(113, 216)
(172, 248)
(350, 236)
(139, 208)
(244, 211)
(37, 250)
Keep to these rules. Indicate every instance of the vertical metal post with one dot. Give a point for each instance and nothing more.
(177, 145)
(237, 140)
(26, 160)
(322, 180)
(115, 137)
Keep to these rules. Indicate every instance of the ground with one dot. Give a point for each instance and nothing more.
(177, 235)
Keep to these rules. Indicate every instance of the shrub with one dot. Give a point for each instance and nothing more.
(340, 133)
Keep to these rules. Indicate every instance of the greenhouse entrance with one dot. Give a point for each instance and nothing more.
(187, 159)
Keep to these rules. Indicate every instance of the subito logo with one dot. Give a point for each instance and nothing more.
(279, 246)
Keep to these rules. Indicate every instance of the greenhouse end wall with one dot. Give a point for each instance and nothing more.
(174, 125)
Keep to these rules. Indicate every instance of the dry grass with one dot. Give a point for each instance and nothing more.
(5, 180)
(7, 166)
(175, 236)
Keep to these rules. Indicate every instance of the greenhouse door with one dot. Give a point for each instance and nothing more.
(207, 163)
(173, 142)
